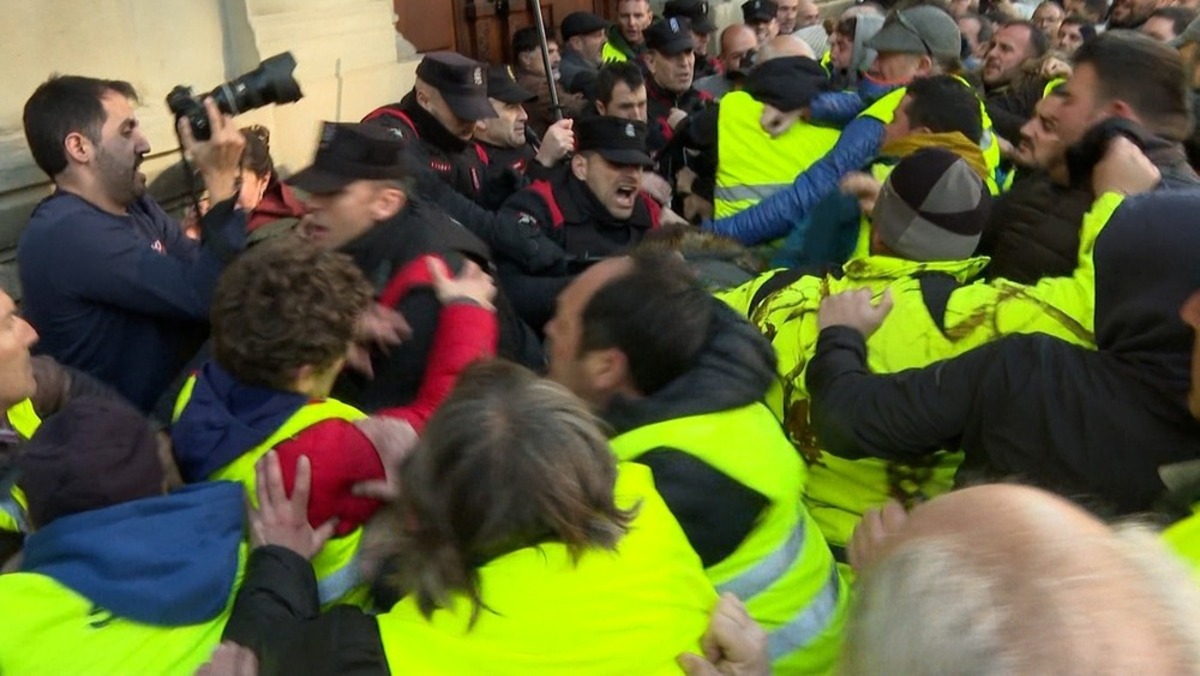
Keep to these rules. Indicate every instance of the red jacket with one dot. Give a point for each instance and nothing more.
(341, 456)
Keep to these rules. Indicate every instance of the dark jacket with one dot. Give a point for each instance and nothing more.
(734, 369)
(659, 103)
(122, 297)
(384, 251)
(457, 162)
(1033, 229)
(572, 65)
(551, 231)
(1092, 425)
(1011, 106)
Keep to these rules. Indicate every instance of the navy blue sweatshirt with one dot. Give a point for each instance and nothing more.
(113, 295)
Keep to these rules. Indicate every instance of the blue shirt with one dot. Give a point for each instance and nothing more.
(112, 295)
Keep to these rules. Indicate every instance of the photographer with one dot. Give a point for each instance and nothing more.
(110, 282)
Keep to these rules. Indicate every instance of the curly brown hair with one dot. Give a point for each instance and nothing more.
(284, 305)
(509, 461)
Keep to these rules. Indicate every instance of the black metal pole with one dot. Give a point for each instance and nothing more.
(555, 106)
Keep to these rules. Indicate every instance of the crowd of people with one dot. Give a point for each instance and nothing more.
(865, 343)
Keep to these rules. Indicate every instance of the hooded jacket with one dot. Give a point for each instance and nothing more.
(1092, 425)
(158, 575)
(861, 56)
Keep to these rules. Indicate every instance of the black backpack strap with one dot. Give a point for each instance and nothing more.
(936, 288)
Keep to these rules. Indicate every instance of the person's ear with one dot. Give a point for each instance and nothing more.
(579, 165)
(78, 147)
(388, 203)
(607, 370)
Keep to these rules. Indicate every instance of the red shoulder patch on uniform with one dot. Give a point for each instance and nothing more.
(545, 191)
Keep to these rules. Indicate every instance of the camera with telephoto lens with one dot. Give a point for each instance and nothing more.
(271, 82)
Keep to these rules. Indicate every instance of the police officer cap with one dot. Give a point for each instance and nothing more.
(502, 86)
(351, 152)
(670, 36)
(581, 23)
(759, 11)
(461, 81)
(695, 11)
(616, 139)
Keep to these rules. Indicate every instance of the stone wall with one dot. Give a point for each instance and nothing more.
(350, 61)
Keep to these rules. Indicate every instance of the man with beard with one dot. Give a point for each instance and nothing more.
(1131, 14)
(111, 283)
(1010, 91)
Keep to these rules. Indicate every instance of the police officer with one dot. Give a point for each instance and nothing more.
(512, 153)
(696, 11)
(670, 59)
(593, 211)
(437, 119)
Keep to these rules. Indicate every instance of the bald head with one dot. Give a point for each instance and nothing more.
(784, 45)
(1011, 579)
(737, 41)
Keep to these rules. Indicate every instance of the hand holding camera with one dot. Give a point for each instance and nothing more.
(219, 158)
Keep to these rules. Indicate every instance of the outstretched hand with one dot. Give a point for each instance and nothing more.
(472, 283)
(876, 527)
(855, 310)
(282, 520)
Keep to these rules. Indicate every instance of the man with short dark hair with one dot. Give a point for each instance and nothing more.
(1011, 88)
(1132, 77)
(530, 70)
(621, 92)
(109, 280)
(679, 379)
(1073, 32)
(583, 47)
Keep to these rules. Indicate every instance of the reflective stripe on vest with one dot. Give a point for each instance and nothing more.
(336, 558)
(819, 614)
(23, 418)
(782, 568)
(753, 165)
(626, 611)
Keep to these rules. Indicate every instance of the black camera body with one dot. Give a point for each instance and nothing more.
(271, 82)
